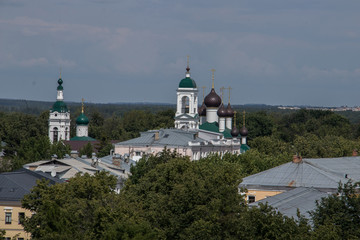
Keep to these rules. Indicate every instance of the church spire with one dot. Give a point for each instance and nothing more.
(188, 66)
(213, 78)
(82, 105)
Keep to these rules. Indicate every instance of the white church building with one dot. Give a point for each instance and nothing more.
(198, 132)
(59, 118)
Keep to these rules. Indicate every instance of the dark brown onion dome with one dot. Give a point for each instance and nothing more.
(212, 99)
(235, 132)
(243, 131)
(221, 112)
(229, 111)
(202, 110)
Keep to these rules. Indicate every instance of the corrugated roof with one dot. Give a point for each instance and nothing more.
(317, 173)
(300, 198)
(167, 137)
(124, 165)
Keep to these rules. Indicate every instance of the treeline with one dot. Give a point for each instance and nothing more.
(25, 139)
(309, 133)
(275, 136)
(171, 197)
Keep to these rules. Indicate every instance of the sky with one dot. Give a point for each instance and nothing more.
(278, 52)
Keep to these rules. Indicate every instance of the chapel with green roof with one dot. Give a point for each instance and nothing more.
(59, 117)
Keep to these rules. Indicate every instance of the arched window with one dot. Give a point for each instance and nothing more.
(55, 134)
(185, 104)
(66, 133)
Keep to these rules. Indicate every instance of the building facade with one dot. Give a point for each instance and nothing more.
(59, 117)
(198, 132)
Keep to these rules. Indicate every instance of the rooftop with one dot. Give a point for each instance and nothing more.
(300, 198)
(323, 173)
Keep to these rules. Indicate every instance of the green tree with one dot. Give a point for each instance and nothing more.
(60, 149)
(87, 150)
(338, 215)
(86, 207)
(259, 124)
(31, 150)
(184, 199)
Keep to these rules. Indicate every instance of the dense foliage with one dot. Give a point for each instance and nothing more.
(168, 197)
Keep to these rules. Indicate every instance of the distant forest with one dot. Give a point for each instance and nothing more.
(119, 109)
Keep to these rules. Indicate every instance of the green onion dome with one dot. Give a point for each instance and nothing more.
(82, 120)
(60, 82)
(59, 106)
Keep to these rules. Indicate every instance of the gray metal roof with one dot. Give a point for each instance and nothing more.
(325, 173)
(167, 137)
(14, 185)
(300, 198)
(124, 165)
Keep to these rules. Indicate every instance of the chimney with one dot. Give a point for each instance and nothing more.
(297, 159)
(74, 154)
(116, 160)
(355, 153)
(156, 136)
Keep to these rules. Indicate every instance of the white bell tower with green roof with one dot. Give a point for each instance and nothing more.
(82, 123)
(59, 117)
(186, 116)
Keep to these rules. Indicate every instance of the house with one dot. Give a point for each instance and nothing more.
(13, 187)
(286, 186)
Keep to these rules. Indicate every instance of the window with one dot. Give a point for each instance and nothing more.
(55, 136)
(251, 199)
(8, 218)
(20, 238)
(21, 217)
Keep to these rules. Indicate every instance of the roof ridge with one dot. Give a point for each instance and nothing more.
(329, 175)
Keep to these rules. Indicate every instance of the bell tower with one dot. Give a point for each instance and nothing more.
(186, 116)
(59, 117)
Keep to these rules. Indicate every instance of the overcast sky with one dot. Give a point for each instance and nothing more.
(278, 52)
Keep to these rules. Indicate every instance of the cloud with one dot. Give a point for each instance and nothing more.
(33, 62)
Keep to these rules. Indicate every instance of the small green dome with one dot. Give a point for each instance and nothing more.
(187, 83)
(59, 106)
(60, 82)
(82, 120)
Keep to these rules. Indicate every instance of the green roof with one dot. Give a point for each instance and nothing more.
(187, 83)
(214, 127)
(60, 81)
(82, 120)
(59, 106)
(244, 148)
(82, 139)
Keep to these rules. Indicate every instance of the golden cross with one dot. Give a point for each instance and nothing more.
(213, 71)
(60, 72)
(188, 61)
(222, 93)
(82, 105)
(229, 93)
(203, 87)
